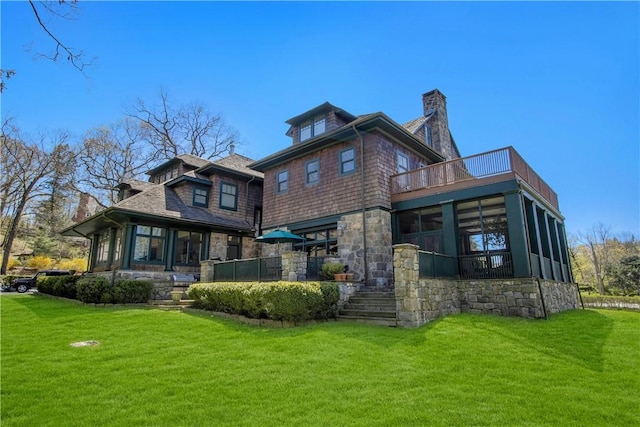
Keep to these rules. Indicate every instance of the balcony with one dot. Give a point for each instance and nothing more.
(487, 168)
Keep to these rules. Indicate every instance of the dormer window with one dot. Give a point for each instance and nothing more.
(313, 127)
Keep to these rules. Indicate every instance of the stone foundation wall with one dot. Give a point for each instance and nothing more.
(559, 296)
(379, 255)
(162, 280)
(420, 300)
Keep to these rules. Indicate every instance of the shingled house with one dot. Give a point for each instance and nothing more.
(190, 210)
(380, 196)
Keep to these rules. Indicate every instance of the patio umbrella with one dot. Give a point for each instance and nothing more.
(279, 236)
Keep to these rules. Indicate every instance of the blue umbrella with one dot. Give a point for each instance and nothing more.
(279, 236)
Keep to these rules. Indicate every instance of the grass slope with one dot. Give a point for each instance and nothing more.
(163, 368)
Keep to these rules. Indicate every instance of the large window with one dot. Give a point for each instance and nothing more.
(347, 161)
(483, 226)
(188, 248)
(103, 247)
(201, 197)
(313, 127)
(149, 244)
(318, 242)
(422, 227)
(312, 172)
(283, 182)
(228, 196)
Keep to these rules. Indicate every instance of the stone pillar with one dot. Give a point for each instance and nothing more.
(406, 269)
(294, 266)
(377, 255)
(206, 271)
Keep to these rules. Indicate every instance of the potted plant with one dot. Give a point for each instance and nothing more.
(333, 271)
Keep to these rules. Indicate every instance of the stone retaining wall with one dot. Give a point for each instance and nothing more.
(421, 300)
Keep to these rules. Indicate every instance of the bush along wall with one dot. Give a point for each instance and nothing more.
(288, 301)
(98, 290)
(59, 286)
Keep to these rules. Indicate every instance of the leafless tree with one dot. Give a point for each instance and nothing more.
(598, 240)
(64, 9)
(112, 154)
(188, 129)
(30, 166)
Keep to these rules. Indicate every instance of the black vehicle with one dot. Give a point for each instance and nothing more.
(23, 284)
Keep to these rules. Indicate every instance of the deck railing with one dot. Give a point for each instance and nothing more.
(504, 161)
(246, 270)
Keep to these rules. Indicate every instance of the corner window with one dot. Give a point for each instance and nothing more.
(149, 244)
(200, 197)
(347, 161)
(228, 196)
(282, 184)
(312, 127)
(312, 172)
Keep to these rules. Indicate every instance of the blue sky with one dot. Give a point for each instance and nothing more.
(559, 81)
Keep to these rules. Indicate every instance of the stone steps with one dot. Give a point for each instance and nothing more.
(370, 307)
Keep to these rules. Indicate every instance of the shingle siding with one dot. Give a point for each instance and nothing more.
(334, 193)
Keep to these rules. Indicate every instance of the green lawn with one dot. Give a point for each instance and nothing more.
(165, 368)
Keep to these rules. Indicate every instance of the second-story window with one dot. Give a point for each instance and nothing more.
(312, 172)
(282, 184)
(228, 196)
(403, 162)
(347, 161)
(312, 127)
(200, 197)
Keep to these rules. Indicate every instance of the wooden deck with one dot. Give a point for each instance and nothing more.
(486, 168)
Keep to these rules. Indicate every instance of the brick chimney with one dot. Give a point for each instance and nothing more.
(434, 102)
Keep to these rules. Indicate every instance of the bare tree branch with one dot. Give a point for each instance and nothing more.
(190, 129)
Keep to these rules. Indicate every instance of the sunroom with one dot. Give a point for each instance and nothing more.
(488, 216)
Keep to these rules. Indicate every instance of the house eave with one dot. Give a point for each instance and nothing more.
(363, 124)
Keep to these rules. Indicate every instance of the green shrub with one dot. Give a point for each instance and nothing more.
(331, 268)
(60, 286)
(132, 291)
(94, 290)
(290, 301)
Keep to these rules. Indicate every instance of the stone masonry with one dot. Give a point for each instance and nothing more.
(379, 256)
(420, 300)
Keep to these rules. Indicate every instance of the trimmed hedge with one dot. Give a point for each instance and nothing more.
(98, 290)
(59, 286)
(290, 301)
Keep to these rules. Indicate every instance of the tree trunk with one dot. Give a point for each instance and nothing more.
(11, 235)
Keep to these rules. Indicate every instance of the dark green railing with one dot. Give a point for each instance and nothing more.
(492, 265)
(433, 264)
(248, 270)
